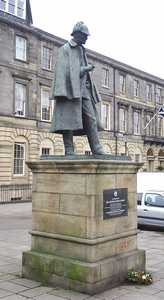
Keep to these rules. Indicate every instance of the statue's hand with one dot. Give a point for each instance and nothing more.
(90, 67)
(86, 69)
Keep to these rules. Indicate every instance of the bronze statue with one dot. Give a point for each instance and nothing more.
(75, 94)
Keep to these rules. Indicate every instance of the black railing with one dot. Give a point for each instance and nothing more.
(15, 193)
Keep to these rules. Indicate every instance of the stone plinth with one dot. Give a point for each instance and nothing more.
(72, 244)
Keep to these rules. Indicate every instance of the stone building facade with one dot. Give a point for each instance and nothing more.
(130, 98)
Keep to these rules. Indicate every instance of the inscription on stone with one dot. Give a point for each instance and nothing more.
(115, 203)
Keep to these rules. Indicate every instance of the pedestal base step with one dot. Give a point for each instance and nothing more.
(89, 278)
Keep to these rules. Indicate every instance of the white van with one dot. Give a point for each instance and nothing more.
(150, 208)
(150, 198)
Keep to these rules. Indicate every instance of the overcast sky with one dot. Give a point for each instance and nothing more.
(130, 31)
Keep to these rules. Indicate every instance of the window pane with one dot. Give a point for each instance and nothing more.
(46, 58)
(105, 115)
(122, 84)
(46, 109)
(158, 95)
(3, 4)
(122, 120)
(20, 99)
(21, 8)
(136, 88)
(136, 122)
(19, 156)
(45, 151)
(106, 77)
(11, 6)
(21, 48)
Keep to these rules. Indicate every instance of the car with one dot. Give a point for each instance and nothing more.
(150, 208)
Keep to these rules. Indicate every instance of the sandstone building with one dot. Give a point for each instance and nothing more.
(27, 58)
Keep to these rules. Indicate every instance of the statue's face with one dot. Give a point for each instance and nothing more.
(80, 37)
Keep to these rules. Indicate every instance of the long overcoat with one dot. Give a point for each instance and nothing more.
(66, 90)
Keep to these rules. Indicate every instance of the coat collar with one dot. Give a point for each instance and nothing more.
(74, 44)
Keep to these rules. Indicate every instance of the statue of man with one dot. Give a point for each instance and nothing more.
(75, 94)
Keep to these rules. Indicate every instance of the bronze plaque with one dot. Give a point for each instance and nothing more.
(115, 203)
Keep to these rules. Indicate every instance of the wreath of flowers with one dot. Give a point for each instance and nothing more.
(140, 277)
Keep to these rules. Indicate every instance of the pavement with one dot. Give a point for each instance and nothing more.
(15, 224)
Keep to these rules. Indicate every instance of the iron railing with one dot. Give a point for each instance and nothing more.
(15, 193)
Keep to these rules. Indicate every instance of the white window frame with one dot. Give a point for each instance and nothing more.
(15, 13)
(149, 129)
(22, 111)
(136, 88)
(46, 59)
(19, 159)
(105, 119)
(158, 95)
(105, 79)
(123, 123)
(20, 49)
(160, 126)
(51, 104)
(148, 91)
(136, 129)
(122, 84)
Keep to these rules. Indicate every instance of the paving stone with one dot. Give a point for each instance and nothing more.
(68, 294)
(113, 293)
(50, 297)
(26, 282)
(12, 287)
(4, 293)
(134, 296)
(160, 295)
(16, 297)
(38, 291)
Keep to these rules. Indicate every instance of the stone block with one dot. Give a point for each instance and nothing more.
(77, 205)
(61, 224)
(45, 202)
(61, 183)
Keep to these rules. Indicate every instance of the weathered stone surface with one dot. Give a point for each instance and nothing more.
(72, 244)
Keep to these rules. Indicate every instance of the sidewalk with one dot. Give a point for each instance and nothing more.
(15, 223)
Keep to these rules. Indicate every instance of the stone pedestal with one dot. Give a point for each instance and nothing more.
(72, 244)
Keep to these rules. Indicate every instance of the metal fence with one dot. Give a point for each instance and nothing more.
(15, 193)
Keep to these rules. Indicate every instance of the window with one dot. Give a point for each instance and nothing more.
(3, 5)
(19, 158)
(136, 122)
(158, 95)
(160, 126)
(149, 91)
(46, 151)
(136, 88)
(46, 104)
(153, 199)
(122, 84)
(21, 48)
(122, 119)
(20, 99)
(21, 8)
(105, 115)
(149, 129)
(46, 58)
(14, 7)
(105, 81)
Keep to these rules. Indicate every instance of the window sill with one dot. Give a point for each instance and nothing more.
(46, 121)
(22, 60)
(49, 70)
(106, 87)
